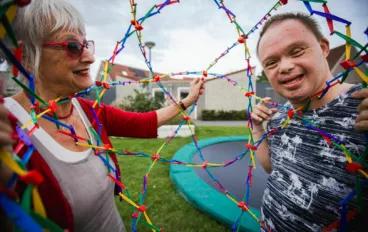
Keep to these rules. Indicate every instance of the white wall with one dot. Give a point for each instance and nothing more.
(222, 95)
(124, 91)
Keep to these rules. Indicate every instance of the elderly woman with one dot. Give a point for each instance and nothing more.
(77, 192)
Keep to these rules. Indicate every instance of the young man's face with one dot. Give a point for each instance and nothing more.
(293, 60)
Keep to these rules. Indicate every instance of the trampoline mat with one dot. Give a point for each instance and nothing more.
(233, 177)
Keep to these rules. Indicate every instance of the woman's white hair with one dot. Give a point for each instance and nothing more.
(38, 20)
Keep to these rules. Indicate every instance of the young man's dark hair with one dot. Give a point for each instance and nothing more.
(309, 22)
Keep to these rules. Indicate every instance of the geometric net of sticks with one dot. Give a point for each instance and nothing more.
(27, 219)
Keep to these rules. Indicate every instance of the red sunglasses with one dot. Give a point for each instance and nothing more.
(74, 49)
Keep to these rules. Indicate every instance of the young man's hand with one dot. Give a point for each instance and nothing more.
(361, 122)
(261, 113)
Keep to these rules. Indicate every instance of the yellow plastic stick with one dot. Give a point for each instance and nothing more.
(8, 160)
(37, 117)
(148, 219)
(38, 205)
(10, 14)
(364, 173)
(361, 74)
(348, 45)
(128, 200)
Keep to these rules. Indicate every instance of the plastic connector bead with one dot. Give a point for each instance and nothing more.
(242, 206)
(353, 167)
(138, 27)
(52, 106)
(98, 83)
(155, 157)
(157, 78)
(32, 177)
(250, 147)
(284, 2)
(107, 147)
(291, 113)
(347, 64)
(205, 73)
(142, 208)
(364, 58)
(248, 94)
(241, 40)
(106, 85)
(186, 118)
(205, 164)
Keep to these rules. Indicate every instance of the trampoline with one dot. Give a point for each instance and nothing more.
(197, 187)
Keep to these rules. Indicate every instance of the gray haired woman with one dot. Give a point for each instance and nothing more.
(77, 192)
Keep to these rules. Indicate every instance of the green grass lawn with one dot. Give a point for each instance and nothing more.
(166, 208)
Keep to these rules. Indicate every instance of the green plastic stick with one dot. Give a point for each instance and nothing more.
(45, 223)
(148, 13)
(29, 91)
(237, 25)
(306, 108)
(25, 202)
(4, 20)
(4, 8)
(350, 40)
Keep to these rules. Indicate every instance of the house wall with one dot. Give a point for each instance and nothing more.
(265, 90)
(174, 89)
(109, 96)
(222, 95)
(10, 87)
(122, 91)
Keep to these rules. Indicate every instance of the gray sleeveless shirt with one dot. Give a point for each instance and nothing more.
(81, 175)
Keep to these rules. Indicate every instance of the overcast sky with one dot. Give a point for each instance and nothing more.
(191, 34)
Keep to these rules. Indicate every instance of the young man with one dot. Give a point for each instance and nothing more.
(308, 177)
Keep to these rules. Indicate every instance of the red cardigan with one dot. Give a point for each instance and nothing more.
(115, 122)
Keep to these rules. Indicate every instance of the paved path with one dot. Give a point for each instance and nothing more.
(220, 123)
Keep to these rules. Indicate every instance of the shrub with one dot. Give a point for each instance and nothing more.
(140, 102)
(232, 115)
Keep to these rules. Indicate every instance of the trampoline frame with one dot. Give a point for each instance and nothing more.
(196, 191)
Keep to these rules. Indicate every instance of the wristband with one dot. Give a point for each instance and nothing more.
(182, 105)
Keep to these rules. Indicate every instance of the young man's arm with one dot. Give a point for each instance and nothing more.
(260, 114)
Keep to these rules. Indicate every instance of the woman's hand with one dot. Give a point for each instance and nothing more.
(261, 113)
(196, 89)
(361, 122)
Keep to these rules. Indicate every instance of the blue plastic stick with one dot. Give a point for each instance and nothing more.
(16, 214)
(331, 16)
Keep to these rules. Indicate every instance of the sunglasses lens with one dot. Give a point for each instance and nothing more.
(75, 49)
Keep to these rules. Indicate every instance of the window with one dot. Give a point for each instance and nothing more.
(158, 93)
(183, 92)
(183, 95)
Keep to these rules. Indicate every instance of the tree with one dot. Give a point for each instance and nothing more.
(262, 77)
(141, 102)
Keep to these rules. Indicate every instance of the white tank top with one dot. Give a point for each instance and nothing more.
(82, 176)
